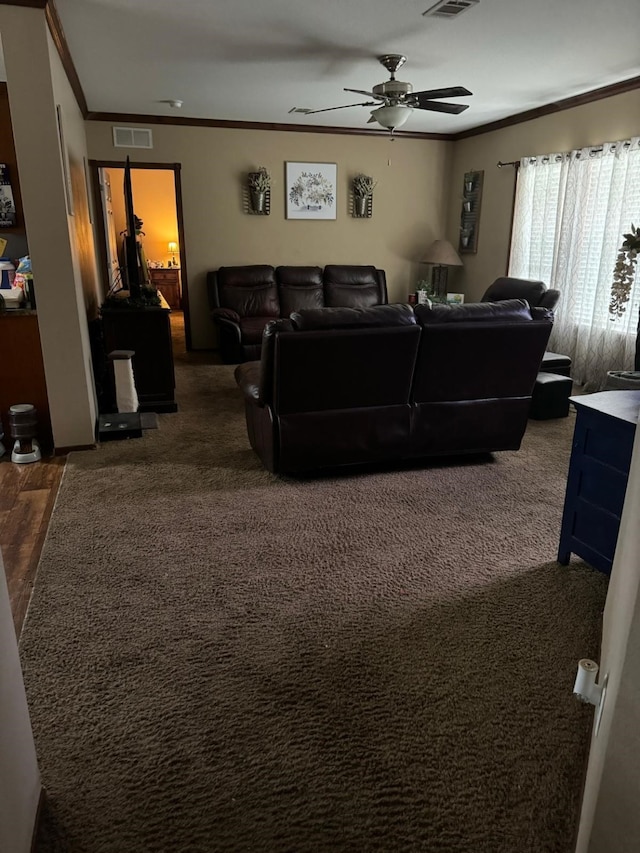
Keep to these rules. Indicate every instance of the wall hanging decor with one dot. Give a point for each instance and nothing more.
(311, 190)
(259, 192)
(470, 212)
(7, 204)
(362, 187)
(66, 167)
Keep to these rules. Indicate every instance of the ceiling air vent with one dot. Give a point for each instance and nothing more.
(132, 137)
(449, 8)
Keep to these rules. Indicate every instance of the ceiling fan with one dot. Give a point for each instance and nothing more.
(397, 100)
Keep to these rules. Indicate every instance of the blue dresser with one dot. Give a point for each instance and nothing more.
(598, 473)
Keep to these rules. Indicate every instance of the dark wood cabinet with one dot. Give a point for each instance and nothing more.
(167, 281)
(147, 332)
(598, 473)
(22, 378)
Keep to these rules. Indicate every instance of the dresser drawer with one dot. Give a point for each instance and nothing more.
(165, 276)
(167, 281)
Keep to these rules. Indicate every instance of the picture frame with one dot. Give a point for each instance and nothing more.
(66, 169)
(455, 298)
(7, 202)
(311, 190)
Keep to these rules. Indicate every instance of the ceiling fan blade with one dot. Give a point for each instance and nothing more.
(452, 92)
(438, 107)
(368, 94)
(343, 107)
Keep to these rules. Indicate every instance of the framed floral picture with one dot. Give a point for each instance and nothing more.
(311, 190)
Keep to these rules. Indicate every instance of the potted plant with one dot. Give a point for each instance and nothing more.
(624, 273)
(259, 184)
(363, 186)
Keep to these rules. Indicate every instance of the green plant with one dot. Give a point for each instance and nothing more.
(259, 181)
(363, 186)
(624, 272)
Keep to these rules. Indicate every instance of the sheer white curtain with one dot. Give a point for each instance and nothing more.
(571, 212)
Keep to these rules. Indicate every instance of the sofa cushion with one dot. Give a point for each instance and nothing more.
(294, 298)
(352, 318)
(299, 276)
(250, 291)
(351, 286)
(509, 310)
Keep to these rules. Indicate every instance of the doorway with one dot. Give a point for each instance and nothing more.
(157, 201)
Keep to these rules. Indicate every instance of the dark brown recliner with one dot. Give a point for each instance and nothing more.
(351, 386)
(475, 375)
(244, 299)
(535, 292)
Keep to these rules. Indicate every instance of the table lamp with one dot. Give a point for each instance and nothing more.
(441, 255)
(173, 248)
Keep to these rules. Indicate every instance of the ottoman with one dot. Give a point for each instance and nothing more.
(553, 362)
(550, 398)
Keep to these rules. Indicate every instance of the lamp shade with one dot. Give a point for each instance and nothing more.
(442, 253)
(391, 117)
(173, 247)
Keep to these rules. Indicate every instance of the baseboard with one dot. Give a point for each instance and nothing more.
(62, 451)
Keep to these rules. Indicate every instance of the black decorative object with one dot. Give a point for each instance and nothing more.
(130, 238)
(470, 213)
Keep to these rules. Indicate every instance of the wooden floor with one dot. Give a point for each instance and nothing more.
(27, 496)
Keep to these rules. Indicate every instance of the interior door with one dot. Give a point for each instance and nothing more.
(114, 276)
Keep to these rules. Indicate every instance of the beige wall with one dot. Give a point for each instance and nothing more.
(60, 246)
(409, 209)
(606, 120)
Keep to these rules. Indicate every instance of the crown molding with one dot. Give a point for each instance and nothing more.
(548, 109)
(135, 118)
(60, 41)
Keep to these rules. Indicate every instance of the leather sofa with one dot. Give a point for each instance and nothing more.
(347, 386)
(243, 300)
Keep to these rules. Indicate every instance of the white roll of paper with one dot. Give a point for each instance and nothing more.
(585, 677)
(126, 394)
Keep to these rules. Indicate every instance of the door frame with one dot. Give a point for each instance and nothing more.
(94, 167)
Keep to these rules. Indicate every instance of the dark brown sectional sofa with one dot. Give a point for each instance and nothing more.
(244, 299)
(347, 386)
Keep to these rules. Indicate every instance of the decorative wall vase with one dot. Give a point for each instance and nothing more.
(361, 206)
(470, 212)
(257, 192)
(258, 201)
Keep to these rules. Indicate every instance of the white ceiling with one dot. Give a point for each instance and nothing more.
(248, 60)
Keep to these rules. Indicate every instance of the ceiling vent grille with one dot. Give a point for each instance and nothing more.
(449, 8)
(132, 137)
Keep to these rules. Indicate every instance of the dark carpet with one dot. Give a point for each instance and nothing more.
(217, 659)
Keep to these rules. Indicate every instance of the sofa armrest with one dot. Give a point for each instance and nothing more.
(248, 378)
(225, 314)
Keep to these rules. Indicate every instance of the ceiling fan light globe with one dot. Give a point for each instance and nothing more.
(392, 117)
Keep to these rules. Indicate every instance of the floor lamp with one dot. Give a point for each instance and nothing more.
(441, 255)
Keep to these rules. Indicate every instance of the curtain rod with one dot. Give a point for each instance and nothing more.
(597, 149)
